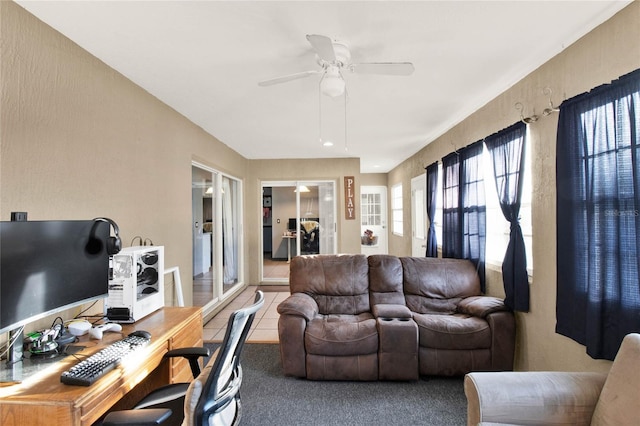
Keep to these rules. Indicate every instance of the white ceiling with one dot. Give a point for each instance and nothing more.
(205, 58)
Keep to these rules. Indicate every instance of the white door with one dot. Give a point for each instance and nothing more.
(419, 215)
(373, 218)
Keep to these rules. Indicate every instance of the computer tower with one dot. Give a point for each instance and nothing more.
(136, 283)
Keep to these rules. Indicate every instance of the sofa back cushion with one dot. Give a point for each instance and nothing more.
(338, 283)
(618, 402)
(385, 280)
(436, 286)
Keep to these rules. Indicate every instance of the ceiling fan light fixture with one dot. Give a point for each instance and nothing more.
(332, 83)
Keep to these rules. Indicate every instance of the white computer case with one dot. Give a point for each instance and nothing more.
(136, 283)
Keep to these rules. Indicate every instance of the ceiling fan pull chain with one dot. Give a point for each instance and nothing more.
(320, 112)
(346, 148)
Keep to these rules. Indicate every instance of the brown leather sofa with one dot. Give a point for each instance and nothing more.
(353, 317)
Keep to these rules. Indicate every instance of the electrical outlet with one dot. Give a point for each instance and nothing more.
(18, 216)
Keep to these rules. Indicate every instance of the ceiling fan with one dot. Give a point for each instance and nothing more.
(334, 57)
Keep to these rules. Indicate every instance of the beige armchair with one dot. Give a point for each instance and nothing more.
(559, 398)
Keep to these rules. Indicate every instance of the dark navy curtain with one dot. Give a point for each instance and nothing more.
(432, 188)
(451, 236)
(464, 208)
(598, 213)
(507, 155)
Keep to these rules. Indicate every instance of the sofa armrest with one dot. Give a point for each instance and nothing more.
(295, 312)
(532, 398)
(385, 310)
(481, 306)
(299, 304)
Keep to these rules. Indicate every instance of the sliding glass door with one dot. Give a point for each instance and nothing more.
(297, 218)
(216, 230)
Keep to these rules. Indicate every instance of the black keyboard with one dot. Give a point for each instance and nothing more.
(97, 365)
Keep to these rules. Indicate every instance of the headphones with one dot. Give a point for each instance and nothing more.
(114, 244)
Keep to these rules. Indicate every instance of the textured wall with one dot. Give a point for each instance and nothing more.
(78, 140)
(609, 51)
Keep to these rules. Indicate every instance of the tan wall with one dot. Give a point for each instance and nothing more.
(611, 50)
(373, 179)
(79, 140)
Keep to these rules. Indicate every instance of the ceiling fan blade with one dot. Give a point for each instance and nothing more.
(286, 78)
(323, 46)
(388, 68)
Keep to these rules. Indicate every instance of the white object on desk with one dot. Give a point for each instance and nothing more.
(177, 283)
(97, 331)
(79, 327)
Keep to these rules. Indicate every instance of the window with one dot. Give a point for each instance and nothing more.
(598, 210)
(498, 227)
(438, 219)
(371, 210)
(464, 210)
(396, 209)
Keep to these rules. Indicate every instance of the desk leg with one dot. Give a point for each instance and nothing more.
(288, 250)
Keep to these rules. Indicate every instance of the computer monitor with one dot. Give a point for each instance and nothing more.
(50, 266)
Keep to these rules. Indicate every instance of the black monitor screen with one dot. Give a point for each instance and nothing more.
(48, 266)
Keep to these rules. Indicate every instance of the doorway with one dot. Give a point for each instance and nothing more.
(297, 218)
(216, 243)
(419, 216)
(373, 220)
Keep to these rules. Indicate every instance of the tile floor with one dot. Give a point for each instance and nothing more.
(265, 325)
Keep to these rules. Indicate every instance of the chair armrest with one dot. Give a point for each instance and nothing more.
(532, 398)
(192, 355)
(188, 352)
(481, 306)
(299, 304)
(150, 417)
(385, 310)
(161, 395)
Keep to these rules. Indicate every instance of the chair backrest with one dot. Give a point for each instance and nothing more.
(223, 382)
(385, 280)
(436, 286)
(339, 283)
(618, 402)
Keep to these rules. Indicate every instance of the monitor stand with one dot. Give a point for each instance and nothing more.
(16, 339)
(21, 364)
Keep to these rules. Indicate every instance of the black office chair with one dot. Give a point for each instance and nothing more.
(213, 394)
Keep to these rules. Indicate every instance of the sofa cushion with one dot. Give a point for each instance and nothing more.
(342, 335)
(433, 285)
(618, 402)
(338, 283)
(456, 331)
(385, 279)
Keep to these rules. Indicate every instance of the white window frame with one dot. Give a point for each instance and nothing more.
(397, 221)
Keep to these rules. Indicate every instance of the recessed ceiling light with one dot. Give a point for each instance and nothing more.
(327, 143)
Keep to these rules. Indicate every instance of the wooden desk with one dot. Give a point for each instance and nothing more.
(43, 400)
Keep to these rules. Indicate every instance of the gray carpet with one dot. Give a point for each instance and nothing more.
(269, 398)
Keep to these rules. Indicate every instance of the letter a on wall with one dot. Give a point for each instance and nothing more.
(349, 197)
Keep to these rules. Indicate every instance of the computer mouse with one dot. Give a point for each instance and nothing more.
(141, 333)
